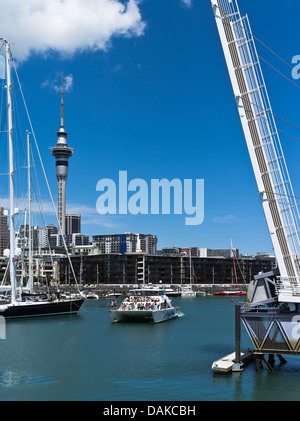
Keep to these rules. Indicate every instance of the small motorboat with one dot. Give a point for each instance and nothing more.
(187, 291)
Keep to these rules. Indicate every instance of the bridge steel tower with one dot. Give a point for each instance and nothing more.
(272, 307)
(260, 131)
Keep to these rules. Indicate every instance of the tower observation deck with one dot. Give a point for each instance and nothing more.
(62, 153)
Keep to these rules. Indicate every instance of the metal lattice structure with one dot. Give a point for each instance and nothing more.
(261, 134)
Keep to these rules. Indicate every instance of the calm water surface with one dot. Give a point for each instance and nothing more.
(86, 358)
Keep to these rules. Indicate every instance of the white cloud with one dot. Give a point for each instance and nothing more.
(102, 221)
(188, 3)
(89, 214)
(226, 219)
(68, 83)
(67, 26)
(55, 83)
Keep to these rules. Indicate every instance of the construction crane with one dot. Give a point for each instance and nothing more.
(276, 293)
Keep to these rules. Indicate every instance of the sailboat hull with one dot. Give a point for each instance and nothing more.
(231, 293)
(40, 308)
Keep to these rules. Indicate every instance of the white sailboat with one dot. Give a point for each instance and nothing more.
(232, 292)
(187, 290)
(20, 304)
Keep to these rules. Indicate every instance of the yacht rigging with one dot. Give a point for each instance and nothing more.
(18, 304)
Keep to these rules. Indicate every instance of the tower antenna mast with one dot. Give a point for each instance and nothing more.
(62, 101)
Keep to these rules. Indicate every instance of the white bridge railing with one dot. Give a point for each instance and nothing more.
(288, 287)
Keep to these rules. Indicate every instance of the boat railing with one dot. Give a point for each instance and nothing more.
(287, 286)
(145, 303)
(260, 308)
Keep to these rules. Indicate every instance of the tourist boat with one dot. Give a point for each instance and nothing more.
(145, 304)
(18, 303)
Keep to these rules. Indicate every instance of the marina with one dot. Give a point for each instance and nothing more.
(233, 319)
(86, 357)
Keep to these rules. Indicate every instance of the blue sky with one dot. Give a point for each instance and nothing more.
(154, 99)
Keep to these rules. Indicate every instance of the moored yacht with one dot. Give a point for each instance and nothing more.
(235, 292)
(187, 291)
(18, 303)
(170, 292)
(39, 307)
(89, 295)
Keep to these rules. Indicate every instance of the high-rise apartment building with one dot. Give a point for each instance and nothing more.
(73, 223)
(80, 239)
(38, 236)
(125, 243)
(50, 229)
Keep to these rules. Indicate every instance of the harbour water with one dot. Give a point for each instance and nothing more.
(86, 358)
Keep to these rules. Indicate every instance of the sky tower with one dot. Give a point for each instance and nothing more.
(62, 153)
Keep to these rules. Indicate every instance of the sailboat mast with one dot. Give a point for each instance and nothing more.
(190, 266)
(30, 274)
(236, 281)
(11, 176)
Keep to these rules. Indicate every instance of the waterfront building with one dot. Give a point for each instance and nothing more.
(169, 251)
(146, 243)
(41, 236)
(227, 253)
(134, 268)
(38, 236)
(86, 249)
(125, 243)
(176, 251)
(50, 229)
(190, 251)
(80, 239)
(57, 241)
(73, 223)
(4, 232)
(62, 152)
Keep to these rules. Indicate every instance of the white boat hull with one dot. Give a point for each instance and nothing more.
(148, 316)
(200, 294)
(188, 294)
